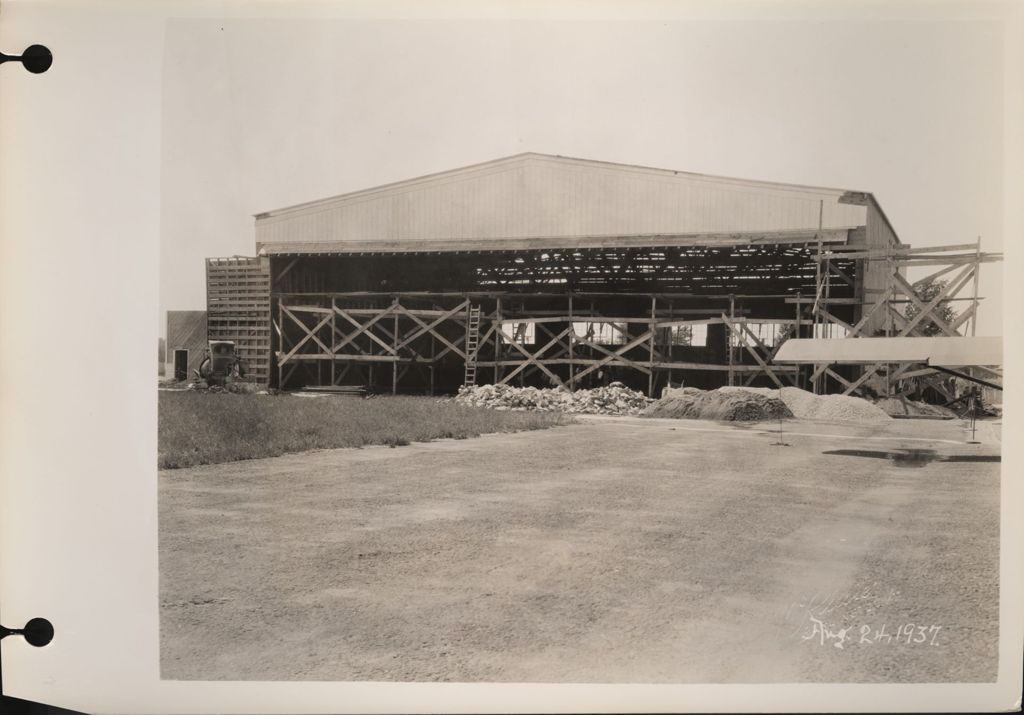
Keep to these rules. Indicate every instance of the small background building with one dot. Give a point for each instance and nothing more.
(186, 342)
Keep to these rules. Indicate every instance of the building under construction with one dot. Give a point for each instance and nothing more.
(557, 272)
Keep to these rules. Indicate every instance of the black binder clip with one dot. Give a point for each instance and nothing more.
(37, 632)
(36, 59)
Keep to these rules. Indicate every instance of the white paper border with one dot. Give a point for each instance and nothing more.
(80, 232)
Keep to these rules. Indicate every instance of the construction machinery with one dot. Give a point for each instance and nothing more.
(220, 363)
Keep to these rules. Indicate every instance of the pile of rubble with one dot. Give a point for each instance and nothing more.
(236, 388)
(615, 399)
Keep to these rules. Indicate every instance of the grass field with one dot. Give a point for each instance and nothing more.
(202, 428)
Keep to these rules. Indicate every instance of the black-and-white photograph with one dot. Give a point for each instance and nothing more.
(571, 350)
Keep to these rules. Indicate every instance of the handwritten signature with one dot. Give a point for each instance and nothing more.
(865, 634)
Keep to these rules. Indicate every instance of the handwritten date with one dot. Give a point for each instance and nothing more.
(867, 635)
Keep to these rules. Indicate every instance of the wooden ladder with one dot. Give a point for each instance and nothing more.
(472, 344)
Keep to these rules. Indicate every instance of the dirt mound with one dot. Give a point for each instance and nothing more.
(728, 405)
(902, 407)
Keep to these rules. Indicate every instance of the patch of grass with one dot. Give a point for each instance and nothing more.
(204, 428)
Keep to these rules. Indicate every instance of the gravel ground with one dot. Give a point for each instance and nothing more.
(619, 550)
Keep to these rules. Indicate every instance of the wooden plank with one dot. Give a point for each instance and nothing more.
(425, 328)
(364, 312)
(344, 357)
(837, 377)
(439, 336)
(534, 359)
(306, 337)
(967, 260)
(620, 355)
(847, 251)
(908, 290)
(564, 345)
(708, 367)
(605, 351)
(757, 358)
(832, 267)
(364, 328)
(935, 276)
(954, 287)
(838, 321)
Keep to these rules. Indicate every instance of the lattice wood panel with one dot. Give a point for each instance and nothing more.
(238, 309)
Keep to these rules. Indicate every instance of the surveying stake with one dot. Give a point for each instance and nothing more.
(974, 415)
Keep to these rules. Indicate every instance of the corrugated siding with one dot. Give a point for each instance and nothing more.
(186, 330)
(537, 196)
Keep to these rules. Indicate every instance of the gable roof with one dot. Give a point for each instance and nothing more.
(559, 200)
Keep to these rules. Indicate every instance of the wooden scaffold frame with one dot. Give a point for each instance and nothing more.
(888, 308)
(388, 330)
(323, 328)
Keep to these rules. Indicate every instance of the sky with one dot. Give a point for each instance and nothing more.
(264, 113)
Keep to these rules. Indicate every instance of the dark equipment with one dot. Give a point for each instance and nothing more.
(220, 363)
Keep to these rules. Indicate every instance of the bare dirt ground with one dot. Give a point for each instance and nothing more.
(615, 550)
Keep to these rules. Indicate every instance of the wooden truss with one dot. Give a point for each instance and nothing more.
(958, 265)
(640, 346)
(327, 332)
(360, 339)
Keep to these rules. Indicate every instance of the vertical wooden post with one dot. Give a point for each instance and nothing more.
(572, 340)
(796, 334)
(333, 359)
(818, 288)
(974, 299)
(394, 356)
(497, 341)
(370, 368)
(669, 345)
(280, 343)
(728, 335)
(890, 295)
(433, 358)
(826, 324)
(817, 263)
(650, 353)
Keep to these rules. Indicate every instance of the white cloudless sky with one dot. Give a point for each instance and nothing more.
(263, 113)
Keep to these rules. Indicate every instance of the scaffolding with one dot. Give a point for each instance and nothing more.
(633, 300)
(885, 312)
(343, 336)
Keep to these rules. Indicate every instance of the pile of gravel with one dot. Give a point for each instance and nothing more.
(822, 408)
(731, 406)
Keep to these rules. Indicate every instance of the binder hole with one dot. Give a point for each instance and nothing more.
(37, 59)
(38, 632)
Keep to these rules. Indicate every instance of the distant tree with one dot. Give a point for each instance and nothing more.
(786, 332)
(926, 293)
